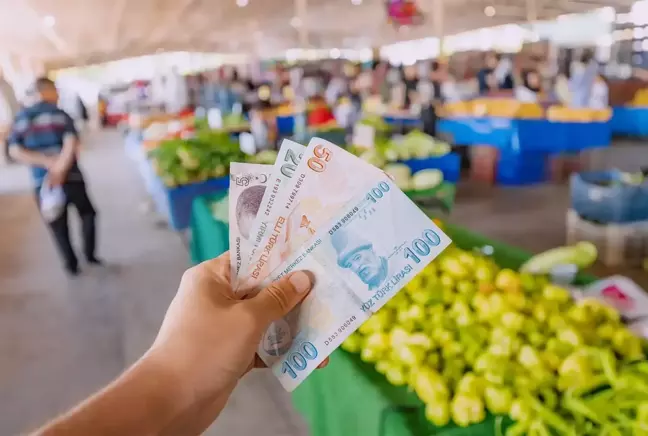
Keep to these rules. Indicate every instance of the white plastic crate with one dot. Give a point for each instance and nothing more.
(617, 244)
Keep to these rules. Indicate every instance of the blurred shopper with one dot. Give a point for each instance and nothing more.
(9, 107)
(44, 137)
(599, 97)
(530, 88)
(583, 76)
(496, 74)
(176, 92)
(83, 113)
(410, 80)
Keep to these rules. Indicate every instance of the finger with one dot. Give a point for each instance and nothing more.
(280, 297)
(323, 364)
(219, 266)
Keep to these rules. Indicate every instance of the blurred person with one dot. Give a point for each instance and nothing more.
(599, 97)
(9, 107)
(43, 136)
(496, 74)
(583, 75)
(83, 113)
(176, 92)
(529, 88)
(561, 85)
(207, 343)
(411, 81)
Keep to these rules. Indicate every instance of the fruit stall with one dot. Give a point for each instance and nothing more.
(475, 344)
(632, 118)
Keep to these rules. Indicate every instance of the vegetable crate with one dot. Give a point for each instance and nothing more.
(618, 244)
(175, 203)
(601, 196)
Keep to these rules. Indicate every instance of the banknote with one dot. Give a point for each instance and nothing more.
(247, 187)
(375, 244)
(290, 153)
(326, 178)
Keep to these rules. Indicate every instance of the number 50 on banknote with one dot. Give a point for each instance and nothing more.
(360, 259)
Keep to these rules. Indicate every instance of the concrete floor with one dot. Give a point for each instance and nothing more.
(61, 339)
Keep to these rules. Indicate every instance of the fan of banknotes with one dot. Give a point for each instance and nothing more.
(323, 210)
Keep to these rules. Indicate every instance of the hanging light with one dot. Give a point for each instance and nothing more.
(489, 11)
(356, 2)
(241, 3)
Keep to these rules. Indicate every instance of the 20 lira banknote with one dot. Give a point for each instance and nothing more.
(360, 258)
(288, 157)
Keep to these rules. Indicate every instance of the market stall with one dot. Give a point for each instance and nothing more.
(359, 394)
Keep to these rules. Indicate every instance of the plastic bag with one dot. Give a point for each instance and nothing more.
(52, 201)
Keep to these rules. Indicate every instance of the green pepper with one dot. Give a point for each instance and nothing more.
(438, 412)
(498, 399)
(467, 410)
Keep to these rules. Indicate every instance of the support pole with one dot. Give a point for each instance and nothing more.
(438, 21)
(532, 10)
(302, 30)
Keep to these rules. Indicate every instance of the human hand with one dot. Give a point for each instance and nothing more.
(209, 336)
(56, 173)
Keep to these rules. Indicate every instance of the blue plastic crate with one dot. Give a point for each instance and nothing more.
(449, 164)
(629, 121)
(285, 125)
(522, 168)
(541, 135)
(593, 200)
(175, 203)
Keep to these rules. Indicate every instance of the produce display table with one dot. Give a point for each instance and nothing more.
(526, 134)
(629, 121)
(174, 204)
(349, 397)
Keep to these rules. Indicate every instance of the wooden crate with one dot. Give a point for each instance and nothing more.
(617, 244)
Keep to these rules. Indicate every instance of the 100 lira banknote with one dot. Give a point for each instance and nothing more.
(360, 258)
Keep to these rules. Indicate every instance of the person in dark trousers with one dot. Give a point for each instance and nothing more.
(43, 136)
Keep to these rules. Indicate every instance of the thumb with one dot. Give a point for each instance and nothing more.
(279, 298)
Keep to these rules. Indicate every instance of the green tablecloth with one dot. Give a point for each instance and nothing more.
(349, 398)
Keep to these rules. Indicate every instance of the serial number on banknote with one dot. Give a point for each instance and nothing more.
(345, 325)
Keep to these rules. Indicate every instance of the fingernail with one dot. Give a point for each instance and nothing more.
(300, 281)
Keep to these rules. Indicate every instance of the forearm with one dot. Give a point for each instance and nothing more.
(29, 157)
(69, 152)
(145, 400)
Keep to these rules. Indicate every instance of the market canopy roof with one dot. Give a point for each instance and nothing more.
(77, 32)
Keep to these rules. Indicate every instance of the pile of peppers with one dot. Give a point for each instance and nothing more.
(472, 339)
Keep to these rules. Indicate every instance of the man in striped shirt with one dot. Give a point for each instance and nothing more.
(43, 136)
